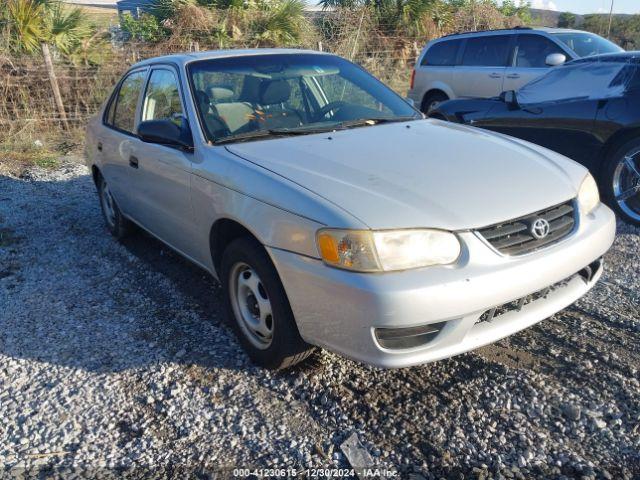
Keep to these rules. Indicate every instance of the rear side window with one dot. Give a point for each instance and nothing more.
(126, 101)
(532, 51)
(486, 51)
(442, 54)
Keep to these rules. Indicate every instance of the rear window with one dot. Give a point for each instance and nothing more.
(487, 51)
(442, 54)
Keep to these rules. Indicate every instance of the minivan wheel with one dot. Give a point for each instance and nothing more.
(117, 225)
(432, 101)
(621, 182)
(257, 307)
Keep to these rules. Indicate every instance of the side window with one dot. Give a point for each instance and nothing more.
(124, 116)
(442, 54)
(162, 98)
(486, 51)
(532, 51)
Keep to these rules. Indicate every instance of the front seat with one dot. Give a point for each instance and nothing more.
(273, 95)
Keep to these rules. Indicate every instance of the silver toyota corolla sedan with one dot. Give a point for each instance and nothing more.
(334, 215)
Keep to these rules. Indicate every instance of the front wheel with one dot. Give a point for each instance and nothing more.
(621, 182)
(257, 305)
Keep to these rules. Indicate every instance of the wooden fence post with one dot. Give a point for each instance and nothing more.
(55, 88)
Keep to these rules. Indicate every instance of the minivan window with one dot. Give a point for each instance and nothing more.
(124, 117)
(532, 51)
(587, 44)
(442, 54)
(486, 51)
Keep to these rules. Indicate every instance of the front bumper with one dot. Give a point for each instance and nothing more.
(340, 310)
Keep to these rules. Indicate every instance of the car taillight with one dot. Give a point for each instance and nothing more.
(413, 78)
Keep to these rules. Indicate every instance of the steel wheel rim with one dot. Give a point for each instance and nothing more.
(626, 184)
(251, 305)
(108, 205)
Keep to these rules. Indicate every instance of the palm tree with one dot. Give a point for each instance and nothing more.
(279, 23)
(29, 23)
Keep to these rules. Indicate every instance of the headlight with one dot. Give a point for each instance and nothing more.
(588, 196)
(387, 250)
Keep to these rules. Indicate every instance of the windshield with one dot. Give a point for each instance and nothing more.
(254, 96)
(587, 44)
(592, 80)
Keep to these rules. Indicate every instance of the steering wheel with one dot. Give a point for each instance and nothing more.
(324, 111)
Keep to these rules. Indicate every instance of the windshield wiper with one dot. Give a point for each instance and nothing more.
(311, 129)
(377, 120)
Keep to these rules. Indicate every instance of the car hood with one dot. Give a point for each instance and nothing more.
(421, 174)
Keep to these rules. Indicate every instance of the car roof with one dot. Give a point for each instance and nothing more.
(513, 30)
(188, 57)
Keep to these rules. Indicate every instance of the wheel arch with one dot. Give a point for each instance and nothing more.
(222, 233)
(436, 89)
(614, 142)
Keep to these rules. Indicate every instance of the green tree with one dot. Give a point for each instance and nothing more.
(567, 20)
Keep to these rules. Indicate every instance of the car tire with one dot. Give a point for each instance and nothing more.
(432, 100)
(116, 223)
(621, 176)
(257, 307)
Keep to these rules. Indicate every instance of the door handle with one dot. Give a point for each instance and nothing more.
(495, 75)
(99, 146)
(133, 161)
(513, 75)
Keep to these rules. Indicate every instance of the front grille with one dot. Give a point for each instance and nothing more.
(516, 305)
(588, 273)
(515, 237)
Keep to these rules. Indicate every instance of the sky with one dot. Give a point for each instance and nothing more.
(588, 6)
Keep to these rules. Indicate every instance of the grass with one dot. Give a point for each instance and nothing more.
(37, 146)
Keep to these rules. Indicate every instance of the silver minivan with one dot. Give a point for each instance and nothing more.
(484, 64)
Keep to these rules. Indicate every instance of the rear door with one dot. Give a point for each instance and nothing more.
(530, 59)
(116, 143)
(482, 68)
(436, 67)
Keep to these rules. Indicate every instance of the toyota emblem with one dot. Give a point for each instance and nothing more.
(540, 228)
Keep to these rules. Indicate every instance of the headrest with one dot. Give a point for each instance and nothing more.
(274, 91)
(202, 98)
(220, 94)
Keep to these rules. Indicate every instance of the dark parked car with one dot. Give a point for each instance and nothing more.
(588, 110)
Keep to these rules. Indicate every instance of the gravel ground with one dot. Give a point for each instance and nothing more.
(116, 356)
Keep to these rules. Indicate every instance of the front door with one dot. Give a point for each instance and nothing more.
(530, 60)
(164, 173)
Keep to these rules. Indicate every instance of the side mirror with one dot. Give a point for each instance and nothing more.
(510, 98)
(166, 132)
(555, 59)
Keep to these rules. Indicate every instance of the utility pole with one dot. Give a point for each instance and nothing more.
(610, 20)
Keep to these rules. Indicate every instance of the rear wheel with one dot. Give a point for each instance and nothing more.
(258, 308)
(433, 100)
(621, 182)
(116, 223)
